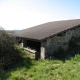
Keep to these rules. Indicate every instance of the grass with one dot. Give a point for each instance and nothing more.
(29, 69)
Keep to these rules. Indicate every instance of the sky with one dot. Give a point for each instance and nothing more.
(22, 14)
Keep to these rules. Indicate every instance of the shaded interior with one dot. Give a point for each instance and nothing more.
(32, 45)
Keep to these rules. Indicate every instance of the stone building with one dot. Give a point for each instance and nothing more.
(46, 38)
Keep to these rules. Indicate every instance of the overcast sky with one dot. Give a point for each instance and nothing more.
(21, 14)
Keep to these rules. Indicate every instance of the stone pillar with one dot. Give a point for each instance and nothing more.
(43, 46)
(21, 44)
(25, 43)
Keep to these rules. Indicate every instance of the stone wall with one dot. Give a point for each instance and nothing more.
(61, 40)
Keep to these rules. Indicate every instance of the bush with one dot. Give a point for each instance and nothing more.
(59, 53)
(72, 42)
(8, 52)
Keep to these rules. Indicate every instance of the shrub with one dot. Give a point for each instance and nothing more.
(8, 52)
(59, 53)
(72, 42)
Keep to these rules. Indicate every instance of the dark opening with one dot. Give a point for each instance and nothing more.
(33, 45)
(61, 34)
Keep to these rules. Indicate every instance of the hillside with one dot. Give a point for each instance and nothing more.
(29, 69)
(11, 31)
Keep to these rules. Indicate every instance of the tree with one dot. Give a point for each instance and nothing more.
(8, 52)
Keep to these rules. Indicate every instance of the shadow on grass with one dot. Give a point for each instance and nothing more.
(24, 62)
(70, 57)
(63, 56)
(70, 54)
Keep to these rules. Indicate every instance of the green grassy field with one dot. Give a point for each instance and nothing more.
(29, 69)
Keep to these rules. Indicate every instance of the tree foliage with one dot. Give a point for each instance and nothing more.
(8, 52)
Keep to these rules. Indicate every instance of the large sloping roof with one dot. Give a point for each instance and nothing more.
(48, 29)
